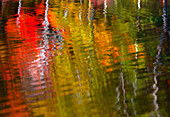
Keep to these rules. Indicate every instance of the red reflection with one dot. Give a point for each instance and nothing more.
(23, 37)
(99, 4)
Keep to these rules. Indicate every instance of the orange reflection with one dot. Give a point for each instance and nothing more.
(23, 38)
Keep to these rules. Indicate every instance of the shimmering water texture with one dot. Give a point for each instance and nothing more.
(87, 58)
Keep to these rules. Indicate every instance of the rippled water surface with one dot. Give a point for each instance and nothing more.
(84, 58)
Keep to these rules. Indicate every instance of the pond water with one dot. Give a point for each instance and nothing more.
(84, 58)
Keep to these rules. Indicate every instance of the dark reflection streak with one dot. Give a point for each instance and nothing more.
(19, 8)
(135, 83)
(136, 48)
(91, 16)
(104, 10)
(165, 16)
(2, 5)
(158, 63)
(124, 94)
(66, 12)
(19, 15)
(136, 56)
(139, 4)
(138, 17)
(80, 14)
(89, 11)
(156, 74)
(118, 96)
(44, 58)
(135, 88)
(80, 84)
(132, 101)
